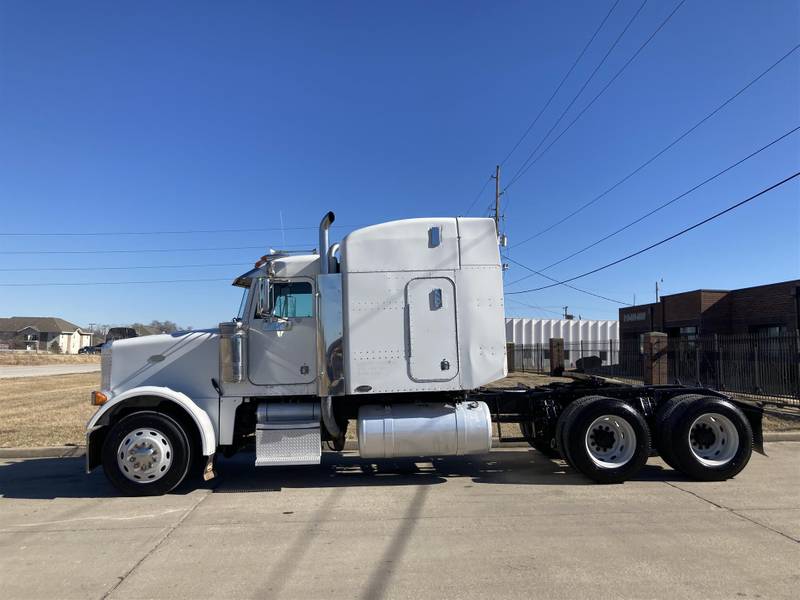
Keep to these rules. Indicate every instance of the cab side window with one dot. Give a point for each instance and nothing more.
(262, 298)
(292, 299)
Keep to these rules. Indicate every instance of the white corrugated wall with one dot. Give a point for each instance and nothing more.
(573, 331)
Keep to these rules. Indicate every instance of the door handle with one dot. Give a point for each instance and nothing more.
(276, 325)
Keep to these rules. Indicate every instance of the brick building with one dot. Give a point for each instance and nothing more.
(765, 309)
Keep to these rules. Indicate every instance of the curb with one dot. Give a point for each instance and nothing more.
(43, 452)
(782, 436)
(76, 451)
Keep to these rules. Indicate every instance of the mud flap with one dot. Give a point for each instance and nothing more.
(754, 414)
(208, 471)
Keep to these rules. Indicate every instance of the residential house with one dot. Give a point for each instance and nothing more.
(41, 334)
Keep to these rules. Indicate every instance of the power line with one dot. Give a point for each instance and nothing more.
(541, 308)
(47, 284)
(483, 189)
(575, 98)
(524, 169)
(553, 95)
(665, 204)
(577, 289)
(561, 83)
(564, 282)
(127, 268)
(143, 250)
(175, 232)
(658, 154)
(665, 240)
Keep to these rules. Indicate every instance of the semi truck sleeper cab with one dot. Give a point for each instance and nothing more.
(400, 328)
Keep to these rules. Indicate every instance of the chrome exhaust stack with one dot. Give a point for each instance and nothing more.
(326, 402)
(323, 242)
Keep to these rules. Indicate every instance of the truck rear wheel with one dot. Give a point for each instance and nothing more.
(545, 446)
(146, 454)
(668, 414)
(607, 440)
(564, 418)
(712, 439)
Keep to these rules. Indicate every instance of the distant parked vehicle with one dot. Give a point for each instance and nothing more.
(120, 333)
(91, 349)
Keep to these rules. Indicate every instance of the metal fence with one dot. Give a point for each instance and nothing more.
(756, 367)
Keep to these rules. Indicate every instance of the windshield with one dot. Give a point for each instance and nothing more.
(242, 304)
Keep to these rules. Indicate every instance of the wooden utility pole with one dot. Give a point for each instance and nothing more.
(497, 198)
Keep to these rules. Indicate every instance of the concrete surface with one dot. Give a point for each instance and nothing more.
(8, 372)
(509, 525)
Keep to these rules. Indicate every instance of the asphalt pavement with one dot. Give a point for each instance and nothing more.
(511, 524)
(7, 372)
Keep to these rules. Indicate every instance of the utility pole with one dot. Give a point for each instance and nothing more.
(497, 198)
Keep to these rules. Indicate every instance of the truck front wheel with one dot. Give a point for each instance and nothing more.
(146, 454)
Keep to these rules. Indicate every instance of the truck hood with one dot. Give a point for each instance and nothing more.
(183, 361)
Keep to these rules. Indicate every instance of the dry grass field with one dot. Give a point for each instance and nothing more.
(15, 359)
(45, 411)
(52, 411)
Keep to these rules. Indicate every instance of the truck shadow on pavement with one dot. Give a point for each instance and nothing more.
(47, 478)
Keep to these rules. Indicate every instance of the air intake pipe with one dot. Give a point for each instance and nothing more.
(323, 241)
(332, 257)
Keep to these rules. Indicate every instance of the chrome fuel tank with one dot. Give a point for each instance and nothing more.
(424, 429)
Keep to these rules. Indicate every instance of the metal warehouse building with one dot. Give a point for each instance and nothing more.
(593, 334)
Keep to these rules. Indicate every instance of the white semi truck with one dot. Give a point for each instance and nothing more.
(399, 327)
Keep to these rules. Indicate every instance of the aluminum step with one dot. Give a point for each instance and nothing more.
(288, 443)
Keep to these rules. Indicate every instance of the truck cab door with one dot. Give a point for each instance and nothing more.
(282, 334)
(432, 329)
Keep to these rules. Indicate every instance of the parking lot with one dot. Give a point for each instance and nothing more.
(509, 525)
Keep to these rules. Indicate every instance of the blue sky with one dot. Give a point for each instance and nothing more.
(212, 115)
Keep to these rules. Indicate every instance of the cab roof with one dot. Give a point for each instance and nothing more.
(280, 265)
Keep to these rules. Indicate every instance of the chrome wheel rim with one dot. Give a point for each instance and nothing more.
(610, 441)
(713, 439)
(144, 455)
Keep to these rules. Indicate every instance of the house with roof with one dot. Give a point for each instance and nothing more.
(42, 334)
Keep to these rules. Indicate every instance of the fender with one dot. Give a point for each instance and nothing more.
(199, 416)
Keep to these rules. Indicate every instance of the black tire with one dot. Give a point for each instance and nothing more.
(179, 452)
(579, 428)
(686, 448)
(667, 416)
(545, 446)
(566, 415)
